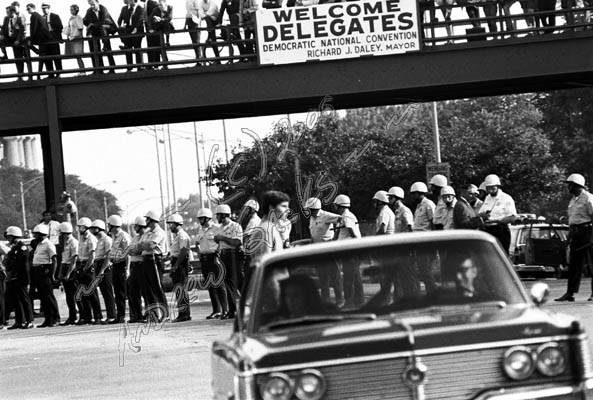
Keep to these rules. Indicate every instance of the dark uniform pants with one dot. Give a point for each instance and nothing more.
(18, 296)
(91, 306)
(70, 286)
(353, 290)
(106, 287)
(211, 265)
(331, 276)
(179, 277)
(153, 291)
(41, 278)
(580, 236)
(232, 261)
(119, 288)
(136, 290)
(3, 309)
(502, 233)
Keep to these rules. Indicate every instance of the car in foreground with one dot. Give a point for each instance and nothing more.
(446, 318)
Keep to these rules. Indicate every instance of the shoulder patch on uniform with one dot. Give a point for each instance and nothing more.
(24, 248)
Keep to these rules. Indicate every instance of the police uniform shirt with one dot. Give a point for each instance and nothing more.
(70, 249)
(349, 220)
(445, 215)
(424, 215)
(320, 226)
(403, 219)
(580, 209)
(104, 243)
(86, 246)
(232, 230)
(133, 249)
(500, 207)
(54, 231)
(205, 239)
(254, 221)
(477, 205)
(387, 217)
(44, 252)
(120, 243)
(157, 240)
(180, 241)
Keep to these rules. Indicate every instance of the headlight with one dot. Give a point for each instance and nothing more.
(551, 360)
(519, 363)
(310, 385)
(276, 387)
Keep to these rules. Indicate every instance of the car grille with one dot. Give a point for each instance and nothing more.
(457, 376)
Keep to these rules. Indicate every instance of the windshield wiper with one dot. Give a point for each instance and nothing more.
(315, 319)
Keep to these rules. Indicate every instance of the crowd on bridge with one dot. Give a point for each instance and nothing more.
(128, 271)
(45, 32)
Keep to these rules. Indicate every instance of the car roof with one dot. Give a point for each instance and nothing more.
(375, 241)
(540, 225)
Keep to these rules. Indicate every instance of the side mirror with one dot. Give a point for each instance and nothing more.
(539, 293)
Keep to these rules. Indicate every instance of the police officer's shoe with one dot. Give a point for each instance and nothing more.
(27, 325)
(213, 316)
(181, 319)
(225, 315)
(82, 322)
(46, 324)
(116, 321)
(68, 322)
(97, 322)
(590, 298)
(15, 326)
(565, 297)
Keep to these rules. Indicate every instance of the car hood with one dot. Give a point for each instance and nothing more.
(431, 330)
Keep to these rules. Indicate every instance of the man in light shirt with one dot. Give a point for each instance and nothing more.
(135, 280)
(85, 270)
(443, 217)
(119, 265)
(103, 267)
(385, 222)
(498, 211)
(425, 208)
(69, 259)
(180, 256)
(192, 23)
(208, 11)
(42, 273)
(404, 219)
(250, 221)
(154, 246)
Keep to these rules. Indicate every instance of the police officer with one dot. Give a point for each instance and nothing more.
(425, 208)
(385, 222)
(445, 217)
(136, 284)
(348, 229)
(69, 259)
(482, 193)
(17, 279)
(580, 219)
(212, 267)
(180, 257)
(42, 275)
(85, 271)
(119, 265)
(473, 197)
(249, 222)
(498, 211)
(404, 219)
(437, 184)
(54, 233)
(103, 267)
(230, 240)
(154, 245)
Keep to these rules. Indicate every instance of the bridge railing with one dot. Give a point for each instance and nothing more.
(441, 26)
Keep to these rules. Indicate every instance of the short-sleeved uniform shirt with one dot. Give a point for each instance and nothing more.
(157, 240)
(70, 249)
(403, 218)
(86, 246)
(134, 250)
(206, 240)
(443, 215)
(231, 230)
(424, 215)
(121, 241)
(580, 209)
(180, 240)
(321, 226)
(387, 217)
(500, 207)
(44, 252)
(104, 243)
(349, 220)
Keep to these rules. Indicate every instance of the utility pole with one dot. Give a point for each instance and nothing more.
(437, 141)
(23, 206)
(226, 148)
(172, 170)
(198, 161)
(207, 167)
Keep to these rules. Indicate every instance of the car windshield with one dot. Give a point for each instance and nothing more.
(374, 281)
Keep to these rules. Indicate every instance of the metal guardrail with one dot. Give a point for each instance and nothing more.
(435, 33)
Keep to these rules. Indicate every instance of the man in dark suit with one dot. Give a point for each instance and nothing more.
(159, 23)
(39, 34)
(99, 26)
(55, 26)
(13, 31)
(131, 22)
(151, 40)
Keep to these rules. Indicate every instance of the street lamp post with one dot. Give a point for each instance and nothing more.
(198, 161)
(172, 170)
(22, 192)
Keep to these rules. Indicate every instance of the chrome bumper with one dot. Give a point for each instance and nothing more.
(583, 391)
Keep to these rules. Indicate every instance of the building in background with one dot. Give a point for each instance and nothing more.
(21, 151)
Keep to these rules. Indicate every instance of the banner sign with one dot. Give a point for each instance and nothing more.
(337, 30)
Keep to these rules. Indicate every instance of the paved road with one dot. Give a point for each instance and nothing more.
(171, 361)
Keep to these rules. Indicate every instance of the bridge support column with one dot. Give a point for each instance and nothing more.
(53, 157)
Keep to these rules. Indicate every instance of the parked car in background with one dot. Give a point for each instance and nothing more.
(539, 249)
(458, 324)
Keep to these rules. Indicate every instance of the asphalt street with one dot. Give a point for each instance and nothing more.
(168, 361)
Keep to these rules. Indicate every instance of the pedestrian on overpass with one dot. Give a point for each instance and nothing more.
(385, 222)
(498, 211)
(180, 257)
(322, 225)
(42, 275)
(99, 25)
(119, 265)
(103, 267)
(85, 271)
(66, 271)
(159, 27)
(580, 237)
(135, 283)
(154, 246)
(17, 280)
(404, 219)
(212, 268)
(209, 13)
